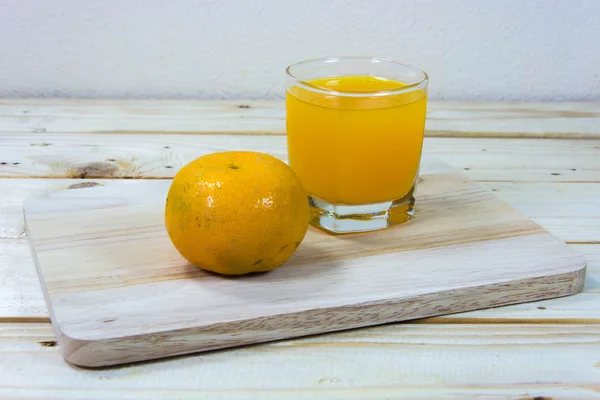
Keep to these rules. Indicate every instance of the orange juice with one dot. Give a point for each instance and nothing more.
(355, 146)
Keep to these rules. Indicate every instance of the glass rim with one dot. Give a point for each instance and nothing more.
(385, 92)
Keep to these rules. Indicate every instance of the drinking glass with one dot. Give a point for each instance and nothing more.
(355, 130)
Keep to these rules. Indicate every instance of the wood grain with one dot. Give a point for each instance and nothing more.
(568, 210)
(116, 233)
(398, 361)
(161, 155)
(552, 181)
(444, 119)
(21, 298)
(20, 294)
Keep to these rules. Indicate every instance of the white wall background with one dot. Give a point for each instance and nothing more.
(472, 49)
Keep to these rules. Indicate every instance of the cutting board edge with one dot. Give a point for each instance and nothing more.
(47, 298)
(113, 351)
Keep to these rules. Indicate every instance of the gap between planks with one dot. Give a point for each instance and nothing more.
(147, 178)
(160, 156)
(267, 117)
(428, 133)
(425, 321)
(111, 177)
(506, 321)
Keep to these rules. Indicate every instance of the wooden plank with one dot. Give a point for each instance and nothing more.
(514, 120)
(570, 211)
(20, 294)
(118, 156)
(400, 361)
(161, 155)
(15, 191)
(21, 298)
(524, 160)
(142, 116)
(453, 119)
(120, 292)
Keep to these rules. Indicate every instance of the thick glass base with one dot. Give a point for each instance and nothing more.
(340, 219)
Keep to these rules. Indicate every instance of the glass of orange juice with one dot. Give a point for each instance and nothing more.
(354, 134)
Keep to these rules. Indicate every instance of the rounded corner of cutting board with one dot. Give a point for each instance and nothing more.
(575, 266)
(74, 350)
(569, 278)
(578, 274)
(92, 352)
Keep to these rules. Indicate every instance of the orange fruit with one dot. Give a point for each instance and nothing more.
(236, 212)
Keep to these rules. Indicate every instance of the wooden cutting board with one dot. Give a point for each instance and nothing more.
(118, 291)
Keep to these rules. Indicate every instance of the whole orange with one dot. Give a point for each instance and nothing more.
(236, 212)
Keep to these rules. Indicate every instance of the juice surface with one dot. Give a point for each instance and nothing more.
(355, 149)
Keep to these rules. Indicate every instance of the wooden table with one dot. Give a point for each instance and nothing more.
(544, 159)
